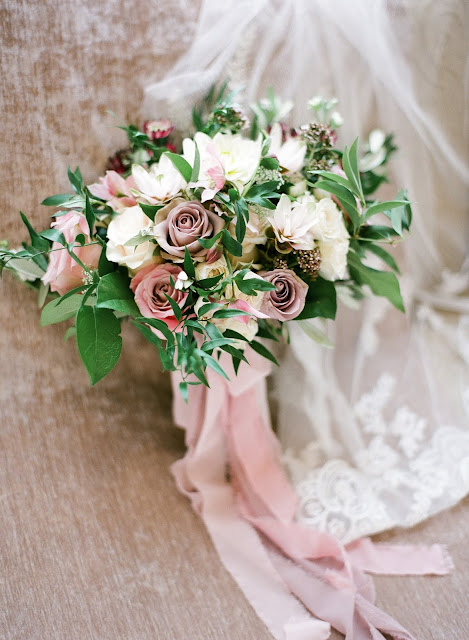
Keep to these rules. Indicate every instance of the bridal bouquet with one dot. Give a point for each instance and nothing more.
(214, 243)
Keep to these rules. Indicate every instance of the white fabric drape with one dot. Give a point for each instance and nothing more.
(376, 432)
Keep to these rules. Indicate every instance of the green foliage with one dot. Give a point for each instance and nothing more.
(114, 293)
(382, 283)
(60, 309)
(98, 339)
(321, 301)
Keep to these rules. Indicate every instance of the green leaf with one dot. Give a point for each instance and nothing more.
(183, 388)
(148, 333)
(383, 254)
(89, 213)
(54, 236)
(156, 323)
(212, 331)
(240, 228)
(104, 265)
(99, 340)
(235, 353)
(181, 165)
(26, 267)
(70, 333)
(346, 199)
(206, 308)
(210, 345)
(41, 244)
(350, 165)
(270, 163)
(58, 310)
(175, 307)
(377, 232)
(250, 286)
(212, 363)
(150, 210)
(315, 334)
(263, 351)
(265, 189)
(382, 283)
(114, 293)
(380, 207)
(42, 294)
(233, 246)
(76, 179)
(208, 283)
(57, 200)
(207, 243)
(321, 301)
(333, 177)
(230, 313)
(189, 264)
(196, 167)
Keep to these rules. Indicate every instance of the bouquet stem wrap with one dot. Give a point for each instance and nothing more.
(234, 476)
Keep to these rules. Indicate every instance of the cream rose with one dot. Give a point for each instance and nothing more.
(329, 221)
(334, 258)
(204, 270)
(126, 225)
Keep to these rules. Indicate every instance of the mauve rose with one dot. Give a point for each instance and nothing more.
(180, 224)
(150, 286)
(288, 300)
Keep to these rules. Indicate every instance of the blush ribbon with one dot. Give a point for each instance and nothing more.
(299, 580)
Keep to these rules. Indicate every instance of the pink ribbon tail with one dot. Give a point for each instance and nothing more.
(234, 476)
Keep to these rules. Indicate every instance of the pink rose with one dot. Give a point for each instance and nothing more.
(115, 190)
(181, 224)
(63, 272)
(150, 286)
(288, 300)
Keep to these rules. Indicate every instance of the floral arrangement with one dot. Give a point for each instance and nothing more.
(212, 245)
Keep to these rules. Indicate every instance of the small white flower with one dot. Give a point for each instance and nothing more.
(183, 281)
(290, 154)
(336, 120)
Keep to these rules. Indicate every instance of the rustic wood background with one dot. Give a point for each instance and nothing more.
(95, 541)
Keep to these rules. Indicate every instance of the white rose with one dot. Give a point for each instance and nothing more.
(329, 221)
(127, 224)
(333, 258)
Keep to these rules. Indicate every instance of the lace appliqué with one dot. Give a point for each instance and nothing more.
(400, 470)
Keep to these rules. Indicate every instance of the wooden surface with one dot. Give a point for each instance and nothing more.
(95, 541)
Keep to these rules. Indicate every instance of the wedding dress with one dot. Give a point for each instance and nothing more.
(375, 433)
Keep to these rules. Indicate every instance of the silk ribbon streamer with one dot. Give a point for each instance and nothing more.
(234, 476)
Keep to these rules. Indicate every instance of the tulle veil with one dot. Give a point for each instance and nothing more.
(375, 433)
